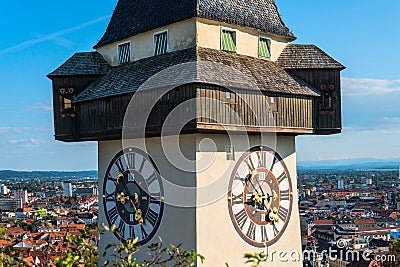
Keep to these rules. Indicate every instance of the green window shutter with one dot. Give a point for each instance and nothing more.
(160, 43)
(228, 41)
(264, 48)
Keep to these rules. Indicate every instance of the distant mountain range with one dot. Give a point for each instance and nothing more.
(7, 174)
(350, 164)
(342, 164)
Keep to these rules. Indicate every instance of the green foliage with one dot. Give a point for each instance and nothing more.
(394, 250)
(11, 259)
(124, 254)
(83, 251)
(255, 259)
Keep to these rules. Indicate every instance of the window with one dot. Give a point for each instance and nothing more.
(327, 100)
(228, 95)
(124, 53)
(160, 43)
(228, 41)
(264, 47)
(67, 103)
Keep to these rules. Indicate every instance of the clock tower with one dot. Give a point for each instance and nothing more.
(196, 105)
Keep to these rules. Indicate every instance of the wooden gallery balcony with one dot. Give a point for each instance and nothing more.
(205, 89)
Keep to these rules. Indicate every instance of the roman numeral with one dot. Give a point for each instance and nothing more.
(262, 159)
(285, 195)
(151, 179)
(132, 232)
(237, 199)
(274, 162)
(121, 228)
(283, 213)
(131, 217)
(241, 218)
(155, 198)
(264, 236)
(142, 164)
(143, 231)
(152, 217)
(131, 160)
(250, 163)
(276, 232)
(120, 165)
(281, 177)
(112, 179)
(113, 215)
(251, 232)
(110, 197)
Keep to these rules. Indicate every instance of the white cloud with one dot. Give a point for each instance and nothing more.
(42, 107)
(6, 130)
(29, 142)
(365, 86)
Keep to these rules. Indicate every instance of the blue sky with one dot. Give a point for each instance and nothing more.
(37, 36)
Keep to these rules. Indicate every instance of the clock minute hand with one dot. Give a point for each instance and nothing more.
(249, 177)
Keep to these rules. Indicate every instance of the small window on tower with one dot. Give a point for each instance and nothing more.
(264, 47)
(327, 100)
(160, 43)
(67, 103)
(124, 53)
(228, 40)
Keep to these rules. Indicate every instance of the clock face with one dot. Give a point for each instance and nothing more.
(133, 195)
(260, 196)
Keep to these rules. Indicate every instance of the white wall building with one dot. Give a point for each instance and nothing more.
(3, 189)
(67, 189)
(21, 194)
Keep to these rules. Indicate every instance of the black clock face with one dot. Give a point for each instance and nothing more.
(133, 195)
(260, 196)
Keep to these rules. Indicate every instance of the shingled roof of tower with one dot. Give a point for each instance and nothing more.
(132, 17)
(86, 63)
(127, 78)
(297, 56)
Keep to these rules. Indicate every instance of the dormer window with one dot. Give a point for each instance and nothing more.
(160, 43)
(124, 53)
(228, 40)
(264, 47)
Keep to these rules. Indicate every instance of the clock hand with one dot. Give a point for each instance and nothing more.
(249, 177)
(258, 182)
(138, 212)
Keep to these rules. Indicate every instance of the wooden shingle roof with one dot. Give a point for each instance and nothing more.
(86, 63)
(127, 78)
(299, 56)
(132, 17)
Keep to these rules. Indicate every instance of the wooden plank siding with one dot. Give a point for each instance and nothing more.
(325, 80)
(103, 119)
(251, 108)
(68, 126)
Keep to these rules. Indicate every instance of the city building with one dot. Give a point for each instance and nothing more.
(21, 194)
(67, 189)
(3, 189)
(340, 185)
(10, 204)
(86, 191)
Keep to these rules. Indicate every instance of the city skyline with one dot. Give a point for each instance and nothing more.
(38, 39)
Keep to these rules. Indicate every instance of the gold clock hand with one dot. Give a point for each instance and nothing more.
(119, 177)
(138, 212)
